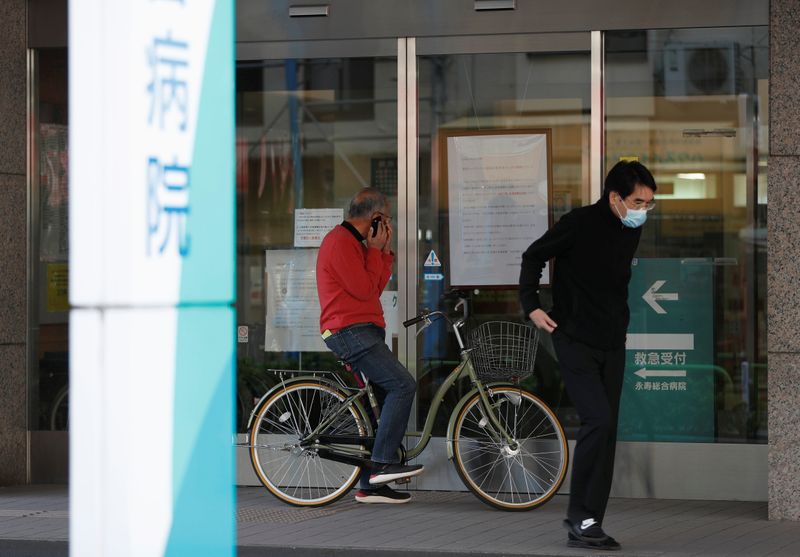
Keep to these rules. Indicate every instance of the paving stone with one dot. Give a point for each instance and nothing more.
(450, 523)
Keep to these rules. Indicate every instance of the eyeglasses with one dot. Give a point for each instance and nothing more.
(647, 206)
(385, 217)
(639, 204)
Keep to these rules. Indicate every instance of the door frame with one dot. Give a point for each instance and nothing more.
(410, 268)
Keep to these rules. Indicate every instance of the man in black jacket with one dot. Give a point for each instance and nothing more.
(593, 248)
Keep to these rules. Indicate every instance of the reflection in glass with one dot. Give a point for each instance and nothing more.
(310, 133)
(483, 92)
(691, 104)
(49, 369)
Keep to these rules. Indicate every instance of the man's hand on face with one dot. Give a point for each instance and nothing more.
(542, 320)
(379, 240)
(387, 247)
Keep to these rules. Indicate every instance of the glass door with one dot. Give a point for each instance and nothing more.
(503, 151)
(691, 104)
(315, 122)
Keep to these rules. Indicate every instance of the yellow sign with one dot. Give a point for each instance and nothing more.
(629, 159)
(57, 287)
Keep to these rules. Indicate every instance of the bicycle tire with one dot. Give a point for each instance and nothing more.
(496, 472)
(299, 476)
(59, 412)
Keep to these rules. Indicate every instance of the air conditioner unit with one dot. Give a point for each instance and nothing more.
(700, 69)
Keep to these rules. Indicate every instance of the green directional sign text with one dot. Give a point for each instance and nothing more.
(668, 391)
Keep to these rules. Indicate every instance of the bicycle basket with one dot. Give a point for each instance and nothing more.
(503, 350)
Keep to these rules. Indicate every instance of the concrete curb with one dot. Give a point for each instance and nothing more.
(42, 548)
(34, 548)
(300, 551)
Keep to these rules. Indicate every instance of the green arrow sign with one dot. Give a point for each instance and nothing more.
(668, 391)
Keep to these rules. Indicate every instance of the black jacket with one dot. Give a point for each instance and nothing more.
(593, 252)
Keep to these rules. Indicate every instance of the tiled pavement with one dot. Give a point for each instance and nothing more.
(34, 522)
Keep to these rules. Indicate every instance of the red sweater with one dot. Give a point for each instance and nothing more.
(350, 279)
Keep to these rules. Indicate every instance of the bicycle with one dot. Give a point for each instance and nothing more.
(310, 436)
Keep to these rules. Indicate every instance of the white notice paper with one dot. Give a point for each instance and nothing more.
(390, 315)
(311, 225)
(498, 188)
(292, 320)
(292, 323)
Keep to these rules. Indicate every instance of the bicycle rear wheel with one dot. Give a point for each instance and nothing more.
(59, 414)
(518, 476)
(294, 474)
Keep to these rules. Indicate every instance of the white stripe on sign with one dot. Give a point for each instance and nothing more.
(660, 341)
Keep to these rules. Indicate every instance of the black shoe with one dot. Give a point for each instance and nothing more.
(609, 545)
(588, 530)
(384, 494)
(385, 473)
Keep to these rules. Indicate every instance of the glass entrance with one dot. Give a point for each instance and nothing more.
(504, 144)
(314, 125)
(691, 104)
(469, 136)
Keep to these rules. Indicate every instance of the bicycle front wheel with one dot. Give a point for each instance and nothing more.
(516, 476)
(295, 474)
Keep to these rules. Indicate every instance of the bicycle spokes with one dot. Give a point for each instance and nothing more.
(286, 449)
(519, 473)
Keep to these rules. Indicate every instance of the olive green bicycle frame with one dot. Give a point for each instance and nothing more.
(497, 431)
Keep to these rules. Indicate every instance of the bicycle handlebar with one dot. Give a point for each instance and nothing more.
(460, 295)
(414, 320)
(426, 314)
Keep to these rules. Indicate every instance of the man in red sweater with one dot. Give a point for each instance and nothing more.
(353, 267)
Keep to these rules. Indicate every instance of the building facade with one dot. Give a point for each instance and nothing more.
(335, 96)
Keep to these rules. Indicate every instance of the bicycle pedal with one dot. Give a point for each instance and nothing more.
(402, 481)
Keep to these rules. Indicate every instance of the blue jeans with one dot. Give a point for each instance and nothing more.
(362, 345)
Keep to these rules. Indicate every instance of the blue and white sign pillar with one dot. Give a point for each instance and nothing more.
(152, 248)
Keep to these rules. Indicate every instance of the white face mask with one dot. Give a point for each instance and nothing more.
(634, 218)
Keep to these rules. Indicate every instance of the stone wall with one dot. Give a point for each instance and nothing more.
(13, 241)
(783, 291)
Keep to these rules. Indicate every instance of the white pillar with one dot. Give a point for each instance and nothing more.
(152, 249)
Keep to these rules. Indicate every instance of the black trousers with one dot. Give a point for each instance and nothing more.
(593, 379)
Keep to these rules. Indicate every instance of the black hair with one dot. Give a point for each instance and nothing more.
(367, 201)
(624, 177)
